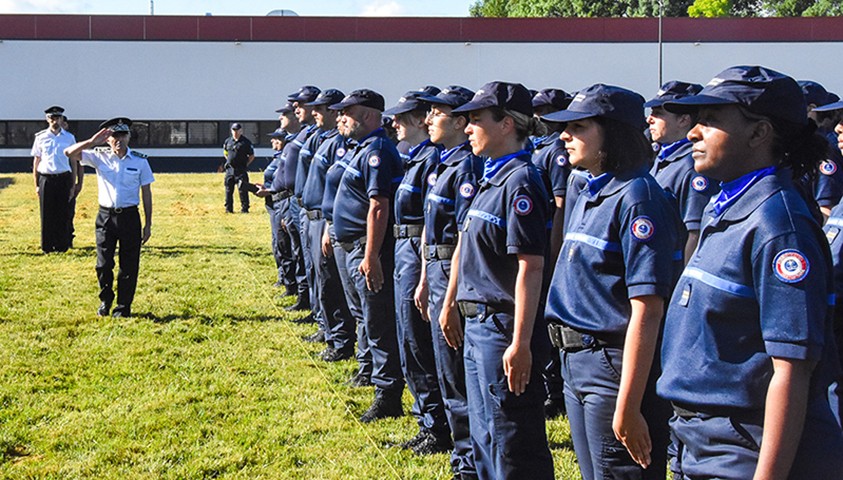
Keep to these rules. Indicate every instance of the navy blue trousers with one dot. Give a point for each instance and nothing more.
(310, 270)
(280, 245)
(355, 307)
(592, 380)
(292, 221)
(451, 370)
(379, 318)
(240, 180)
(507, 431)
(340, 325)
(415, 342)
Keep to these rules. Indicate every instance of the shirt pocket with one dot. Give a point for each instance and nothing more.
(130, 178)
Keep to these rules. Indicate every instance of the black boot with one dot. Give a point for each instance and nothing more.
(385, 405)
(302, 303)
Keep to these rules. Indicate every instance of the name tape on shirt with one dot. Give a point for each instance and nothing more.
(374, 161)
(642, 228)
(467, 190)
(523, 205)
(827, 167)
(699, 183)
(791, 266)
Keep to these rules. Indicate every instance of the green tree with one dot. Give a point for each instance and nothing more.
(650, 8)
(710, 8)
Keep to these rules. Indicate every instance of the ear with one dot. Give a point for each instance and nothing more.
(762, 132)
(507, 124)
(460, 122)
(684, 121)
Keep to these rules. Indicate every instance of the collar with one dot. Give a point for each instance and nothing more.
(447, 154)
(330, 133)
(667, 151)
(497, 170)
(731, 192)
(492, 166)
(378, 132)
(613, 184)
(414, 150)
(595, 184)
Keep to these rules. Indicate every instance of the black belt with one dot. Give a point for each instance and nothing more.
(282, 195)
(439, 252)
(407, 231)
(314, 214)
(349, 246)
(687, 412)
(51, 175)
(119, 210)
(474, 309)
(571, 340)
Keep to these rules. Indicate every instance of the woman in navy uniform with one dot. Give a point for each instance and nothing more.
(497, 282)
(749, 352)
(606, 300)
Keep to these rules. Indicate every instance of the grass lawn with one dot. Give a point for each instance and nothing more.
(208, 380)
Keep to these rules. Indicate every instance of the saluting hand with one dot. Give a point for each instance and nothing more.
(101, 136)
(372, 270)
(451, 325)
(631, 429)
(517, 364)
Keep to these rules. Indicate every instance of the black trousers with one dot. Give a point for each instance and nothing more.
(121, 227)
(239, 179)
(54, 200)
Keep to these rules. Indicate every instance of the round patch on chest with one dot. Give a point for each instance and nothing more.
(699, 183)
(791, 266)
(642, 228)
(467, 190)
(374, 161)
(340, 152)
(522, 204)
(827, 167)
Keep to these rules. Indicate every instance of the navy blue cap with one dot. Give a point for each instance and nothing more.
(305, 94)
(54, 110)
(407, 103)
(430, 90)
(117, 124)
(833, 97)
(601, 100)
(551, 97)
(235, 126)
(287, 108)
(830, 107)
(278, 133)
(453, 96)
(673, 90)
(759, 89)
(509, 96)
(365, 97)
(330, 96)
(814, 93)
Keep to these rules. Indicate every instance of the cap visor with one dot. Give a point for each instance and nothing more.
(694, 102)
(474, 106)
(397, 110)
(341, 105)
(434, 100)
(830, 107)
(654, 103)
(567, 116)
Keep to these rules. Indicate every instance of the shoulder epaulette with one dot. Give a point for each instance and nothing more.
(41, 131)
(139, 154)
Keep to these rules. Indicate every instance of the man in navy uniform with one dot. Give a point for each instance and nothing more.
(238, 153)
(121, 175)
(363, 226)
(55, 181)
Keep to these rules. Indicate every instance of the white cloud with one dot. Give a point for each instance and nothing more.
(383, 8)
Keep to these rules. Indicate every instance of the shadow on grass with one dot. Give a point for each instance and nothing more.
(6, 182)
(563, 445)
(163, 251)
(205, 319)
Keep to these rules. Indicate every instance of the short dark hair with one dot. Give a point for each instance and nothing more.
(625, 146)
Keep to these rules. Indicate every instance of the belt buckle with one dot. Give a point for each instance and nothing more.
(118, 210)
(588, 341)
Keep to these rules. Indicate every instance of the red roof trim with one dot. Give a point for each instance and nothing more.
(408, 29)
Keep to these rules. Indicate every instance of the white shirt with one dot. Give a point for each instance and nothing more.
(118, 179)
(50, 147)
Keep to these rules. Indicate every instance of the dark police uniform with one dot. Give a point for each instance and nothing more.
(447, 205)
(374, 169)
(55, 186)
(758, 287)
(828, 187)
(281, 250)
(237, 153)
(119, 181)
(833, 229)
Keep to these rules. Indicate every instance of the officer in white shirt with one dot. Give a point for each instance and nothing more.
(55, 181)
(121, 174)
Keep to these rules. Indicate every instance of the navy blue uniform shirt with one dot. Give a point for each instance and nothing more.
(758, 286)
(551, 158)
(828, 187)
(419, 176)
(270, 169)
(833, 229)
(308, 150)
(448, 200)
(237, 153)
(285, 178)
(690, 191)
(374, 169)
(331, 148)
(621, 242)
(508, 216)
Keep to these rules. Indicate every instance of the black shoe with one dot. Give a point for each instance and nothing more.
(122, 311)
(289, 290)
(103, 309)
(553, 408)
(302, 303)
(228, 210)
(244, 211)
(360, 380)
(415, 440)
(318, 337)
(432, 444)
(304, 320)
(333, 355)
(385, 405)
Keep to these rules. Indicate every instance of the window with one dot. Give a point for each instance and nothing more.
(2, 133)
(21, 134)
(202, 133)
(167, 133)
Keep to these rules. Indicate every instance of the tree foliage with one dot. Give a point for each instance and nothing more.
(650, 8)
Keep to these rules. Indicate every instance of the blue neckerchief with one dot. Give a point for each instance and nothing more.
(374, 133)
(595, 184)
(418, 147)
(730, 192)
(447, 154)
(493, 166)
(667, 150)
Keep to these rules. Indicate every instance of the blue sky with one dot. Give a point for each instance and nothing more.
(421, 8)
